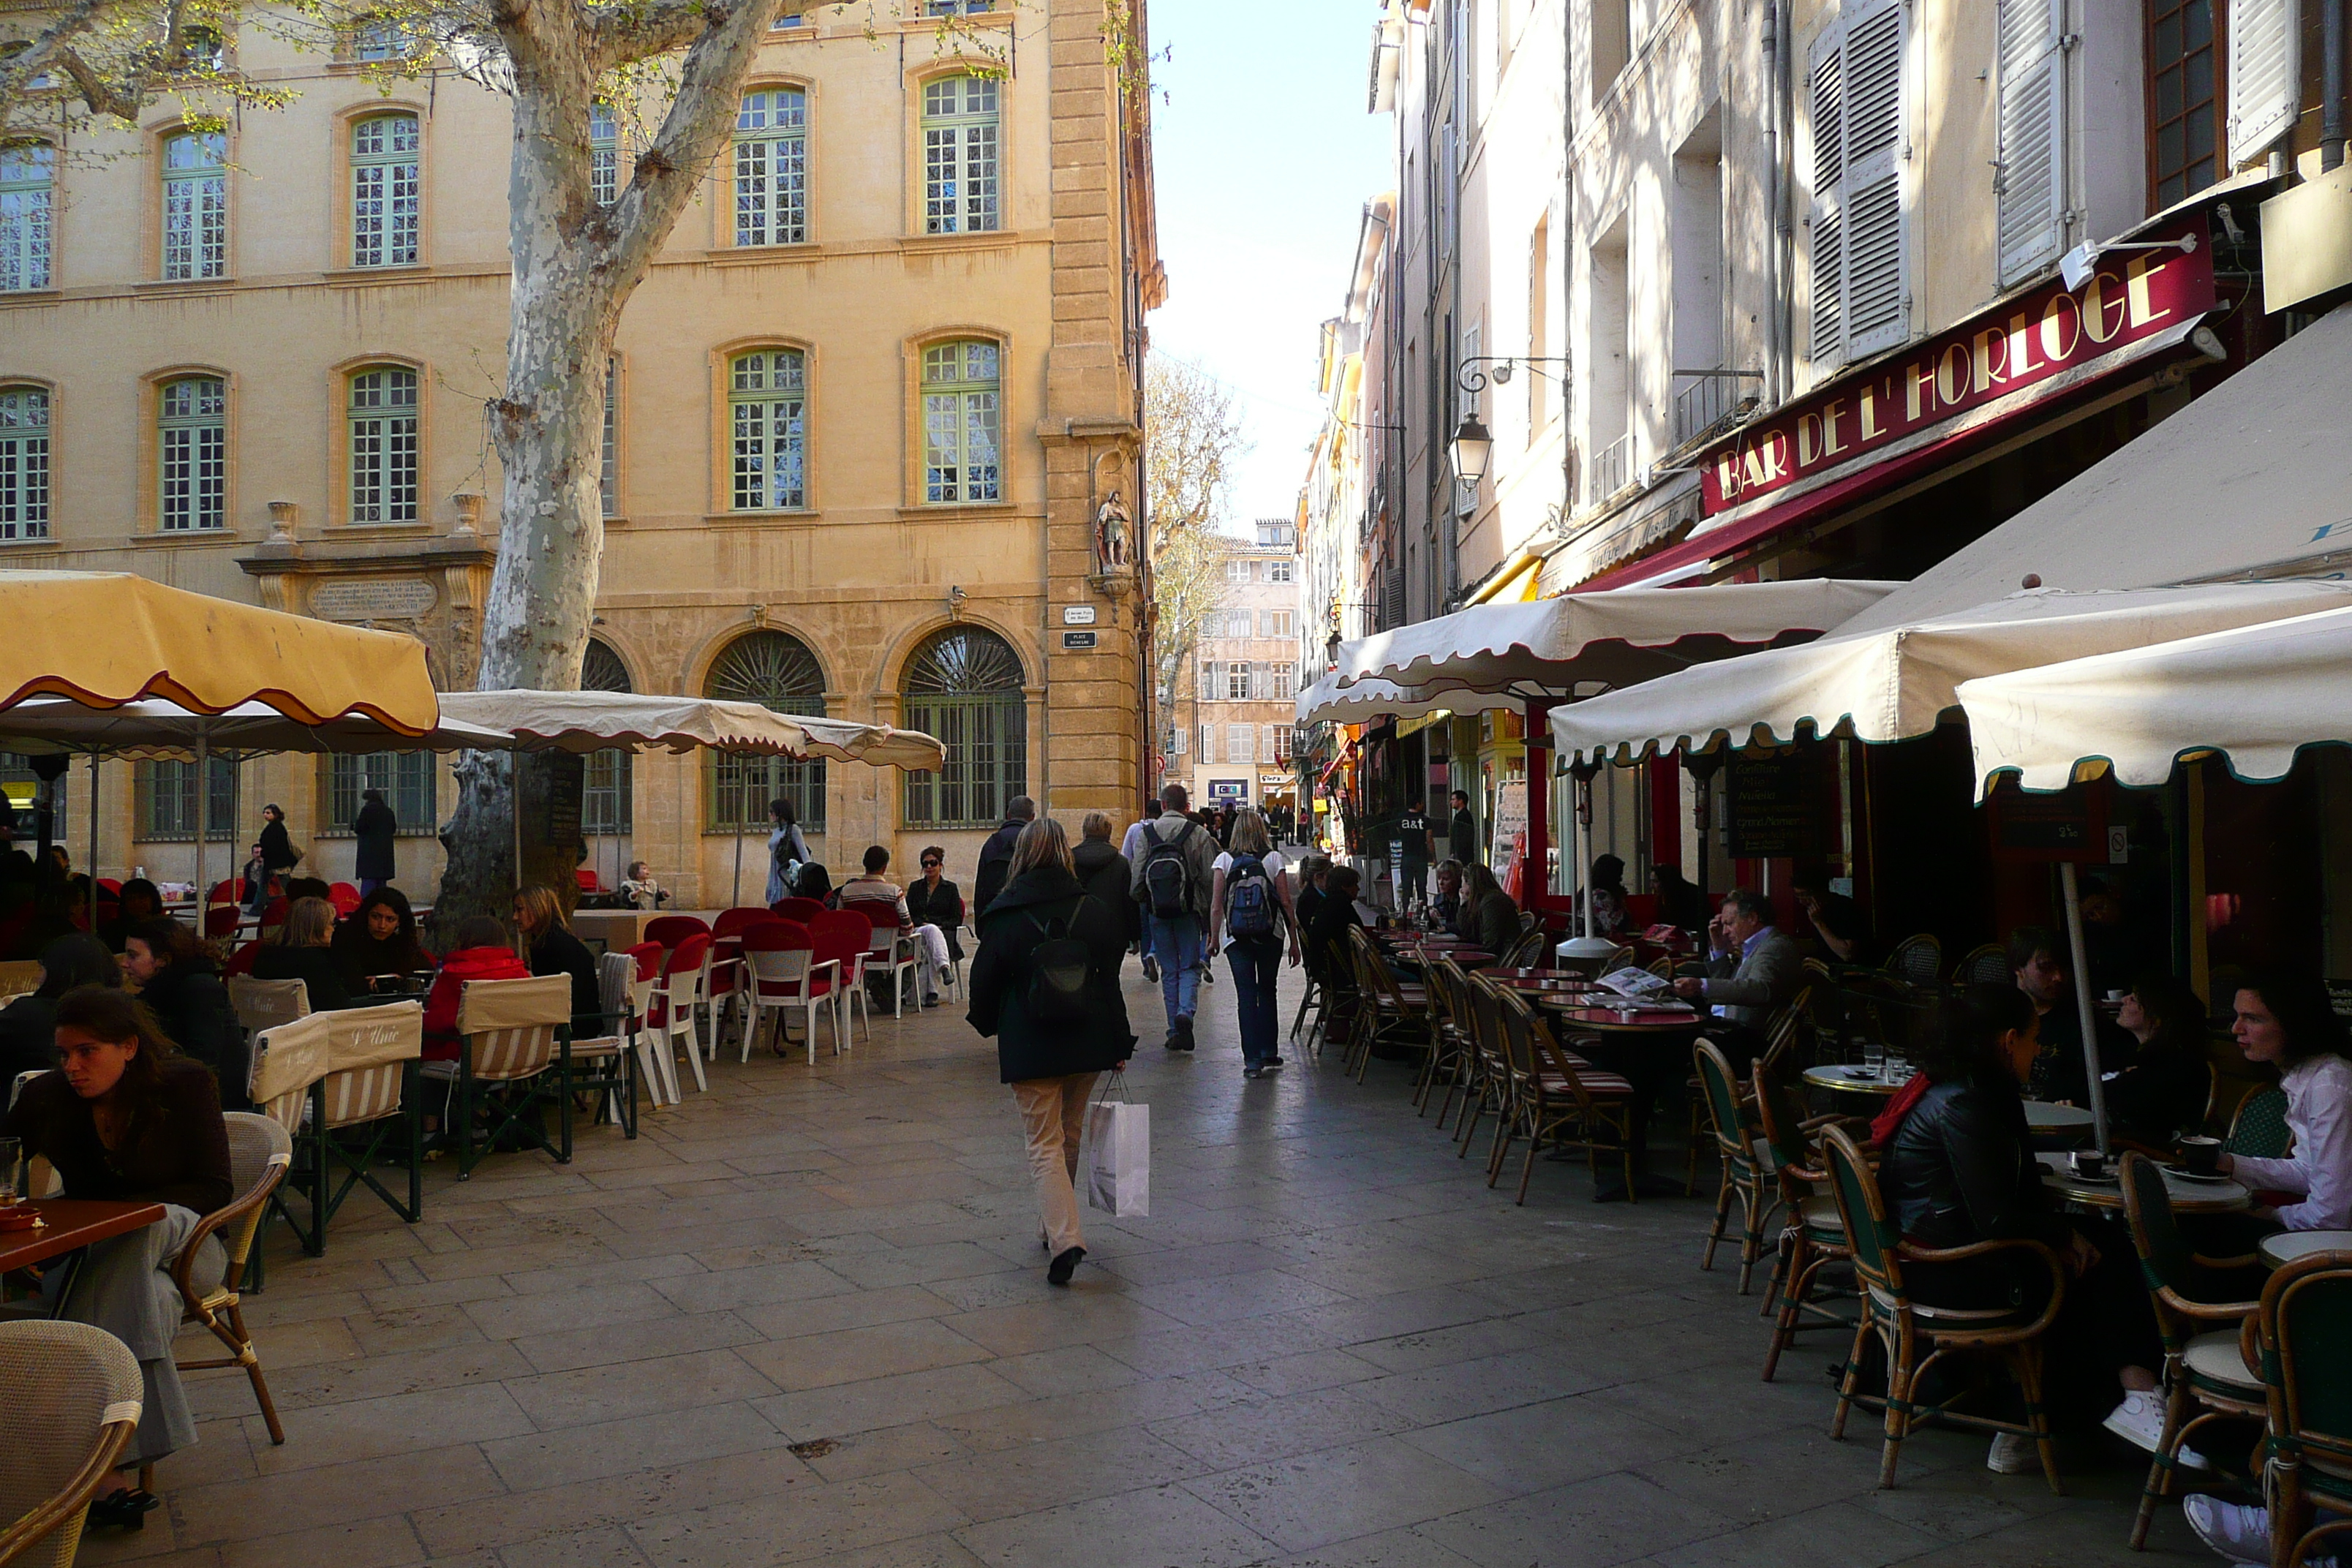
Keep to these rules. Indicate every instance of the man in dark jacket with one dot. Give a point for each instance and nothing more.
(996, 855)
(374, 827)
(1051, 1063)
(1107, 873)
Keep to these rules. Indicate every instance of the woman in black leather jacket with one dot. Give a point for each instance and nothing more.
(1960, 1169)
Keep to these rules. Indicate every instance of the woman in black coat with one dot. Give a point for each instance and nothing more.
(179, 980)
(278, 852)
(1051, 1061)
(375, 828)
(555, 950)
(29, 1026)
(933, 901)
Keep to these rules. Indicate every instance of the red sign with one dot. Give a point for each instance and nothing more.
(2134, 295)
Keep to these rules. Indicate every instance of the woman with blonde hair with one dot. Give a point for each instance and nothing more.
(304, 951)
(539, 915)
(1045, 985)
(1249, 901)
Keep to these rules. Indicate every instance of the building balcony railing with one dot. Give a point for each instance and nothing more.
(1706, 399)
(1612, 467)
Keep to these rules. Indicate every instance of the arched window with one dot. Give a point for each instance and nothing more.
(776, 670)
(963, 685)
(192, 453)
(772, 167)
(603, 153)
(383, 437)
(24, 463)
(963, 422)
(767, 411)
(27, 188)
(608, 805)
(384, 190)
(959, 155)
(195, 206)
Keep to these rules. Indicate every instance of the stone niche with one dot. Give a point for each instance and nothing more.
(430, 589)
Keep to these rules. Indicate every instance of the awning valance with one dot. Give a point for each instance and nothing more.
(600, 721)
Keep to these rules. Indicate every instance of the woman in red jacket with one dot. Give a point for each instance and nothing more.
(484, 952)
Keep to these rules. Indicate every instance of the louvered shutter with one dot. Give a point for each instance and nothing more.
(1825, 84)
(2032, 191)
(2264, 75)
(1860, 272)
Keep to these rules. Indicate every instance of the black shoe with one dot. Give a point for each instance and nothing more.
(1252, 1072)
(125, 1509)
(1271, 1064)
(1058, 1272)
(1180, 1039)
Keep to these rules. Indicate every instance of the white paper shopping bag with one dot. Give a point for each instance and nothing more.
(1118, 1157)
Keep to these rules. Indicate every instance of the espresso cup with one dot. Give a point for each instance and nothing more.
(2090, 1164)
(2201, 1155)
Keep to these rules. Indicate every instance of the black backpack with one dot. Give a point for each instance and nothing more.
(1058, 966)
(1166, 875)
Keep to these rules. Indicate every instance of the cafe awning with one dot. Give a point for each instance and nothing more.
(2253, 695)
(51, 726)
(601, 720)
(1549, 646)
(1891, 683)
(105, 638)
(1326, 699)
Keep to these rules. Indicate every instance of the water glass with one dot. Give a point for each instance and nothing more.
(12, 1150)
(1874, 1058)
(1898, 1068)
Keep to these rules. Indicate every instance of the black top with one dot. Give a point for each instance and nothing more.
(191, 1007)
(1462, 837)
(2162, 1093)
(276, 849)
(315, 967)
(374, 827)
(29, 1038)
(1962, 1168)
(175, 1152)
(1326, 938)
(1497, 924)
(995, 861)
(559, 952)
(362, 958)
(942, 907)
(1413, 826)
(1110, 878)
(999, 979)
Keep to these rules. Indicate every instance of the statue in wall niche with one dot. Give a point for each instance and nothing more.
(1114, 533)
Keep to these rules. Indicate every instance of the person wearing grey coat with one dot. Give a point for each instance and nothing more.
(1753, 968)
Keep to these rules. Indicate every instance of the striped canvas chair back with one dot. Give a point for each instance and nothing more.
(369, 1051)
(287, 1060)
(265, 1004)
(19, 977)
(510, 1024)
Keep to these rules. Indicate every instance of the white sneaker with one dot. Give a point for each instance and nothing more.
(2236, 1531)
(2139, 1421)
(2014, 1454)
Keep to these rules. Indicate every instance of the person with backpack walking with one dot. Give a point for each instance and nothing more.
(787, 851)
(1249, 903)
(1045, 985)
(996, 855)
(1171, 882)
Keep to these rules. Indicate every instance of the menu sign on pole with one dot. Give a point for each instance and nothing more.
(1767, 810)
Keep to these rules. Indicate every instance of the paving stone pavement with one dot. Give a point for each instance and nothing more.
(802, 1319)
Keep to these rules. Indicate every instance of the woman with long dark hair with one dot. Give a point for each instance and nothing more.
(2288, 1022)
(303, 951)
(2169, 1078)
(127, 1119)
(379, 941)
(179, 981)
(136, 902)
(555, 950)
(787, 851)
(28, 1023)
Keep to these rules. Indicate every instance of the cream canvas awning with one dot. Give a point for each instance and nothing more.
(1612, 638)
(1893, 683)
(601, 720)
(1369, 699)
(53, 726)
(2254, 695)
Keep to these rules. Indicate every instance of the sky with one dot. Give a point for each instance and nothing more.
(1264, 155)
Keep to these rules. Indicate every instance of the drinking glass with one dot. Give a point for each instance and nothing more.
(1874, 1058)
(11, 1151)
(1898, 1067)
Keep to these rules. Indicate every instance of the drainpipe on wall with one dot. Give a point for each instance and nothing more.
(2331, 96)
(1771, 106)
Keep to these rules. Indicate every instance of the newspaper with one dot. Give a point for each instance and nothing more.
(1640, 986)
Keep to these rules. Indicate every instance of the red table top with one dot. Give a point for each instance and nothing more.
(1645, 1022)
(72, 1223)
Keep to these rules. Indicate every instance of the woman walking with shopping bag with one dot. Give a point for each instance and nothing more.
(1045, 984)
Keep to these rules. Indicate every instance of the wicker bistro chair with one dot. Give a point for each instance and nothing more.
(515, 1034)
(1386, 1011)
(1450, 1026)
(1528, 952)
(2304, 1331)
(72, 1393)
(1812, 1235)
(1917, 960)
(1556, 1098)
(2204, 1372)
(1904, 1327)
(1788, 1025)
(1985, 965)
(1745, 1177)
(2258, 1127)
(260, 1155)
(787, 977)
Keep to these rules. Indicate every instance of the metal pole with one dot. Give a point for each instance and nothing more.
(204, 825)
(2083, 1004)
(92, 867)
(735, 898)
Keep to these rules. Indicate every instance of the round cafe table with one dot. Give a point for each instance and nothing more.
(1621, 1023)
(2289, 1245)
(2187, 1195)
(2040, 1115)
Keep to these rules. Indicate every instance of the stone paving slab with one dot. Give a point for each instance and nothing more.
(802, 1319)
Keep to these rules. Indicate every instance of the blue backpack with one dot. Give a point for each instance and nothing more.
(1249, 898)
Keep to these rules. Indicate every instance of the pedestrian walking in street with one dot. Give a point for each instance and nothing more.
(277, 851)
(375, 828)
(1250, 905)
(996, 855)
(787, 851)
(1107, 874)
(1045, 985)
(1462, 831)
(1171, 882)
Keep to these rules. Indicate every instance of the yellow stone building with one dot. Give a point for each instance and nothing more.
(872, 428)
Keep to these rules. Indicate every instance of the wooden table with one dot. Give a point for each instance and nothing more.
(2108, 1192)
(2289, 1245)
(1647, 1023)
(73, 1224)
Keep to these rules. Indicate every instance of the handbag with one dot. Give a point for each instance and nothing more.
(1119, 1154)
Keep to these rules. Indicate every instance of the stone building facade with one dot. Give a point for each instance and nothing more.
(872, 435)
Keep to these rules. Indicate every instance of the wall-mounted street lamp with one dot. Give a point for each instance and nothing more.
(1471, 379)
(1471, 450)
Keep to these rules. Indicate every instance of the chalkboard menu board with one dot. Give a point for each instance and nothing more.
(1768, 807)
(2065, 824)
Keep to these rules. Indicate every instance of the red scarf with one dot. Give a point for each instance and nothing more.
(1882, 1125)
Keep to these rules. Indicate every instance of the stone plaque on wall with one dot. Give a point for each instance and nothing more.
(373, 599)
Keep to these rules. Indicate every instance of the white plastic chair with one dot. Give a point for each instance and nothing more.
(656, 1064)
(680, 995)
(790, 980)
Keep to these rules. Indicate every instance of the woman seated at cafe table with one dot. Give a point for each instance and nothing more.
(130, 1119)
(2288, 1021)
(555, 950)
(28, 1024)
(302, 952)
(2161, 1091)
(484, 952)
(377, 947)
(1960, 1169)
(1490, 917)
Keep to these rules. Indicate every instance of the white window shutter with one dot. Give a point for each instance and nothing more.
(1825, 84)
(2031, 195)
(1876, 270)
(1208, 742)
(2264, 75)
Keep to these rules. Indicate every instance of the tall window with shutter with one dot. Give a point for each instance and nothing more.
(2030, 188)
(2266, 75)
(2184, 111)
(1860, 273)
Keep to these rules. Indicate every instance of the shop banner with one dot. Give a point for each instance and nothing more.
(2053, 332)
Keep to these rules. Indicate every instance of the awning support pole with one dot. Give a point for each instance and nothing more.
(2084, 1010)
(203, 828)
(735, 898)
(1535, 879)
(92, 867)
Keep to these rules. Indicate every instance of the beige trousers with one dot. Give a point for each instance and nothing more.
(1053, 1114)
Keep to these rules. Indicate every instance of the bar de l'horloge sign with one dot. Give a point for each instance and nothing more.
(2053, 335)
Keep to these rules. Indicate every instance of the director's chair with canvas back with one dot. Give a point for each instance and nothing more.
(346, 1086)
(514, 1036)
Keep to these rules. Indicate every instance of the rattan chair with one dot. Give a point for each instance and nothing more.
(72, 1396)
(1916, 960)
(1812, 1235)
(2303, 1326)
(1743, 1178)
(260, 1153)
(1985, 965)
(1903, 1325)
(1387, 1011)
(1556, 1098)
(2202, 1372)
(1449, 1034)
(1788, 1026)
(2259, 1128)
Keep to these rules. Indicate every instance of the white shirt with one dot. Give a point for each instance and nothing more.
(2319, 1115)
(1274, 863)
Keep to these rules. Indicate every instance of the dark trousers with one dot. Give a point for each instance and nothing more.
(1255, 962)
